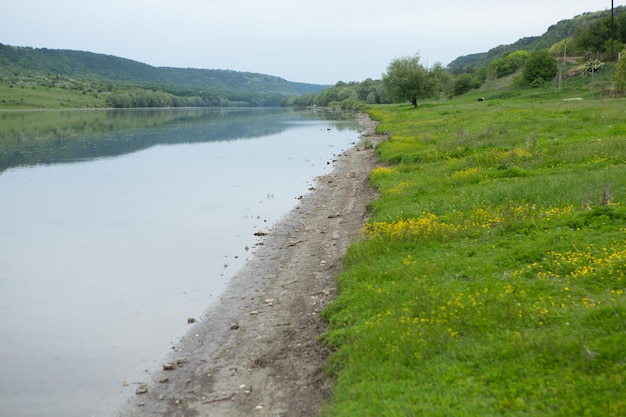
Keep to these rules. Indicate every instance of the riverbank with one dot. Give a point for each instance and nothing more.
(256, 350)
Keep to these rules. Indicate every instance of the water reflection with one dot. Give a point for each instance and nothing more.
(53, 136)
(103, 259)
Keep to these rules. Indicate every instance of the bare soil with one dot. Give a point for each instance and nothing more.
(256, 352)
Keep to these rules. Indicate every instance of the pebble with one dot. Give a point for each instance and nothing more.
(141, 389)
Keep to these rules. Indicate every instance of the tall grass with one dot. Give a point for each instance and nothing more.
(490, 279)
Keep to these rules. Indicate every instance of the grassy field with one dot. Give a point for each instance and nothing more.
(490, 279)
(34, 96)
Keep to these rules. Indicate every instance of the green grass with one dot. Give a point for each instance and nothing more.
(490, 279)
(35, 96)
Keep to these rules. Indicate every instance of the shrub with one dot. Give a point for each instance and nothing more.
(593, 65)
(508, 64)
(463, 84)
(540, 67)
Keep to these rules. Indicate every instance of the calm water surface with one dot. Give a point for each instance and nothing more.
(116, 226)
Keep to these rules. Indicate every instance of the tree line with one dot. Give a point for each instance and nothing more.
(406, 79)
(142, 97)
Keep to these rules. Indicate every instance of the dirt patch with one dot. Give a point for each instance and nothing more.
(256, 351)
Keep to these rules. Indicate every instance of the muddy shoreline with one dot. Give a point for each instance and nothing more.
(255, 352)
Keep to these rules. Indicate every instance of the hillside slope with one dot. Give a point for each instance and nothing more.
(16, 61)
(555, 33)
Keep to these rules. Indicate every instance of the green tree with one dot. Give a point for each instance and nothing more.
(371, 91)
(480, 76)
(620, 28)
(327, 95)
(561, 47)
(406, 78)
(381, 93)
(346, 92)
(441, 80)
(592, 38)
(540, 67)
(365, 88)
(463, 84)
(371, 98)
(508, 63)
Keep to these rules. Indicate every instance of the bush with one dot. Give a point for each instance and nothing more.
(540, 67)
(463, 84)
(593, 65)
(508, 64)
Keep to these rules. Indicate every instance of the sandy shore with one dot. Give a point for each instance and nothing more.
(256, 350)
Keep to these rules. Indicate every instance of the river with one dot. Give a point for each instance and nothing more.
(116, 226)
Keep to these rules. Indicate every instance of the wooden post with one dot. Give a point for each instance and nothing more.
(593, 80)
(562, 64)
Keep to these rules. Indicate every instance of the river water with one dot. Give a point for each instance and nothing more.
(116, 226)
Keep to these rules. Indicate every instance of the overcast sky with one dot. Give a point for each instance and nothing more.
(313, 41)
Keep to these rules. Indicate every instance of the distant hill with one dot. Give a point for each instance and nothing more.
(213, 79)
(554, 34)
(20, 61)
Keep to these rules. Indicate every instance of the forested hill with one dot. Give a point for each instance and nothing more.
(26, 61)
(555, 33)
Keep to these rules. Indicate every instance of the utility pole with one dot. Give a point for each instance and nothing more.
(612, 31)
